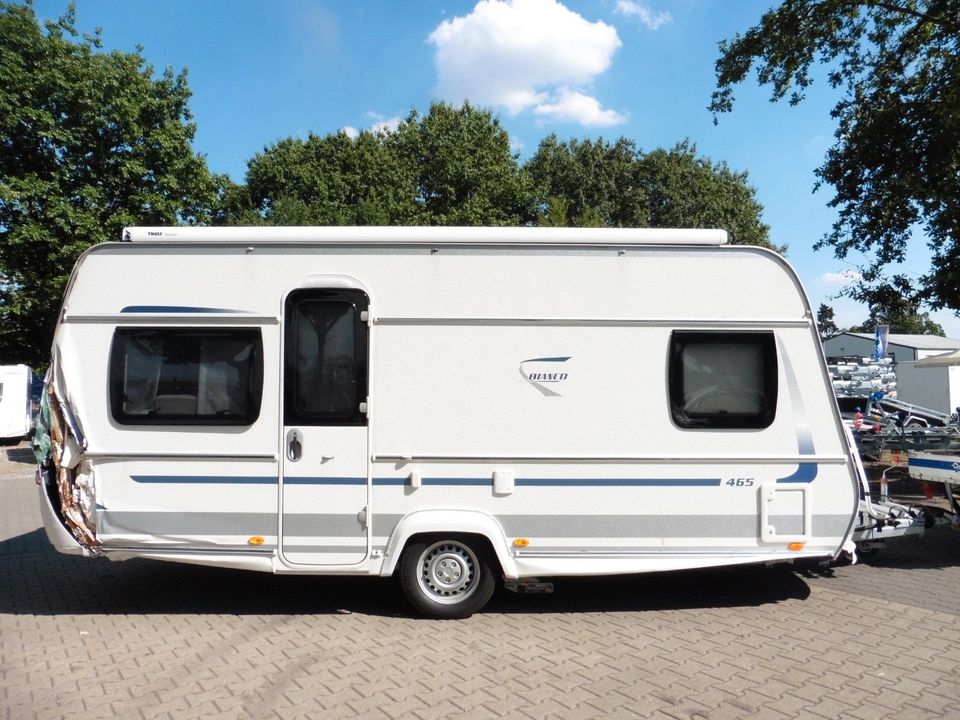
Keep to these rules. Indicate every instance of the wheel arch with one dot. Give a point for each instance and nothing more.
(449, 523)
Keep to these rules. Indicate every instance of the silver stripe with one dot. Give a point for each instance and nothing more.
(326, 549)
(649, 552)
(193, 549)
(222, 319)
(593, 322)
(655, 526)
(558, 526)
(313, 525)
(114, 522)
(640, 459)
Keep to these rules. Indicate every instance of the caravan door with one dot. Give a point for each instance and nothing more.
(324, 463)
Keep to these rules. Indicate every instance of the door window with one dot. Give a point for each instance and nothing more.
(326, 367)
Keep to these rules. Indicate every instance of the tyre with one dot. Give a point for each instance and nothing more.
(447, 577)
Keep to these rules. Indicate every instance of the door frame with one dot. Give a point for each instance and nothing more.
(323, 282)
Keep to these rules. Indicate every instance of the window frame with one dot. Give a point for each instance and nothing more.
(361, 344)
(680, 339)
(116, 377)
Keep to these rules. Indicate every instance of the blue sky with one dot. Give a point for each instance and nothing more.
(643, 69)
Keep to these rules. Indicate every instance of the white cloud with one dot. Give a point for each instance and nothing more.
(573, 106)
(380, 125)
(841, 277)
(525, 55)
(383, 125)
(650, 19)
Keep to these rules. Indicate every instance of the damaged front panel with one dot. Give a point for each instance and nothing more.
(59, 446)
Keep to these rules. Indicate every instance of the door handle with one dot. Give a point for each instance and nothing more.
(294, 445)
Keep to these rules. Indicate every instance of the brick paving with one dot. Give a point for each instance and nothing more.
(84, 639)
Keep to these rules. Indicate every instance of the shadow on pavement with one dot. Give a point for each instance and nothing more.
(43, 582)
(21, 455)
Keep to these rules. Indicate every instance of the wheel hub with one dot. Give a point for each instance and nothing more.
(448, 572)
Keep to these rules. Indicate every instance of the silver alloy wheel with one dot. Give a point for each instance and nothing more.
(448, 572)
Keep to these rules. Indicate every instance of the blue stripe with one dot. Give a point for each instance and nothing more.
(952, 465)
(205, 479)
(619, 482)
(805, 473)
(175, 309)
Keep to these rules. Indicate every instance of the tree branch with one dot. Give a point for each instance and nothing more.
(891, 7)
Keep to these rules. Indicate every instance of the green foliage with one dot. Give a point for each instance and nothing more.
(825, 322)
(452, 166)
(894, 163)
(466, 173)
(890, 306)
(590, 180)
(89, 142)
(595, 183)
(332, 180)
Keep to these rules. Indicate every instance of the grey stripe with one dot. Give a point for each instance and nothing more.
(788, 524)
(561, 526)
(186, 523)
(193, 548)
(326, 549)
(645, 552)
(313, 525)
(652, 526)
(113, 522)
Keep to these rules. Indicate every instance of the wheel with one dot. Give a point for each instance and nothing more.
(446, 578)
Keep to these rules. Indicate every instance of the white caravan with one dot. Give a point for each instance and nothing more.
(448, 404)
(15, 409)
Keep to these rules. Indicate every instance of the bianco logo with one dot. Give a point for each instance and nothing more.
(540, 372)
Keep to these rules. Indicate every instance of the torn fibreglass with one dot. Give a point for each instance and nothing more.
(59, 449)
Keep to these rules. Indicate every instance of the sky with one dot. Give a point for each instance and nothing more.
(643, 69)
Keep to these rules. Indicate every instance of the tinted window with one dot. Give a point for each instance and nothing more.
(325, 358)
(194, 376)
(723, 380)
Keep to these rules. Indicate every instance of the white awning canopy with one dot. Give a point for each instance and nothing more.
(952, 358)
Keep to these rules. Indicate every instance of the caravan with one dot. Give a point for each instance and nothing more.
(453, 405)
(16, 415)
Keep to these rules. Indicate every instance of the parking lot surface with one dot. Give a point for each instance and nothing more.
(84, 638)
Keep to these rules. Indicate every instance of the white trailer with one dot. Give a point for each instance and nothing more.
(449, 404)
(15, 407)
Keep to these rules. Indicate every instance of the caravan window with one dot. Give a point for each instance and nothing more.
(326, 350)
(723, 380)
(198, 376)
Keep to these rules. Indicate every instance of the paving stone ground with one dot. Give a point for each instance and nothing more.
(84, 639)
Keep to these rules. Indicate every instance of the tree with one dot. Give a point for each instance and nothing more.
(893, 165)
(825, 322)
(466, 172)
(331, 180)
(689, 191)
(452, 166)
(889, 307)
(591, 182)
(584, 182)
(89, 142)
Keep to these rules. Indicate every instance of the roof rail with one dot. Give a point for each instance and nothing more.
(422, 235)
